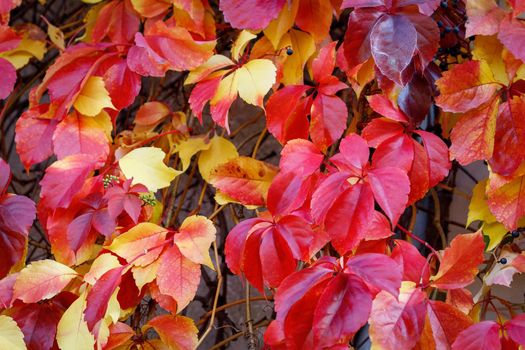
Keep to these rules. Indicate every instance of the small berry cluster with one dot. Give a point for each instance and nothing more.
(108, 180)
(148, 199)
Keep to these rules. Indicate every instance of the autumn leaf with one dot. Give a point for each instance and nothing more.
(178, 277)
(131, 245)
(194, 239)
(72, 329)
(11, 337)
(402, 325)
(481, 336)
(41, 280)
(177, 332)
(219, 152)
(244, 179)
(146, 166)
(64, 178)
(93, 97)
(460, 262)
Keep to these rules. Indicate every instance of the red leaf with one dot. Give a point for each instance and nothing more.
(177, 332)
(480, 336)
(473, 135)
(484, 17)
(126, 199)
(64, 178)
(446, 322)
(164, 48)
(509, 139)
(34, 135)
(267, 252)
(39, 323)
(328, 120)
(315, 17)
(414, 265)
(122, 84)
(117, 20)
(438, 157)
(77, 134)
(516, 329)
(242, 15)
(178, 277)
(400, 327)
(348, 215)
(504, 200)
(356, 44)
(460, 261)
(8, 73)
(511, 33)
(99, 295)
(6, 290)
(342, 310)
(119, 334)
(393, 41)
(300, 157)
(377, 270)
(286, 113)
(390, 187)
(16, 217)
(466, 86)
(382, 105)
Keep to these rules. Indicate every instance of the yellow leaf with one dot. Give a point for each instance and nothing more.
(102, 264)
(72, 329)
(279, 26)
(220, 151)
(102, 121)
(255, 79)
(489, 49)
(189, 147)
(303, 46)
(141, 245)
(227, 89)
(244, 179)
(90, 19)
(55, 35)
(145, 274)
(146, 166)
(27, 49)
(478, 208)
(240, 44)
(93, 97)
(11, 337)
(495, 232)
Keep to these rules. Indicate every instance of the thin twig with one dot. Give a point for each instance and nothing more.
(216, 298)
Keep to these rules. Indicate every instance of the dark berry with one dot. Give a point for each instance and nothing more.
(444, 4)
(440, 24)
(456, 29)
(503, 261)
(443, 66)
(289, 51)
(448, 29)
(515, 234)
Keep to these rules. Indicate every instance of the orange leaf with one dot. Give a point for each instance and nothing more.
(244, 179)
(194, 239)
(177, 332)
(460, 262)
